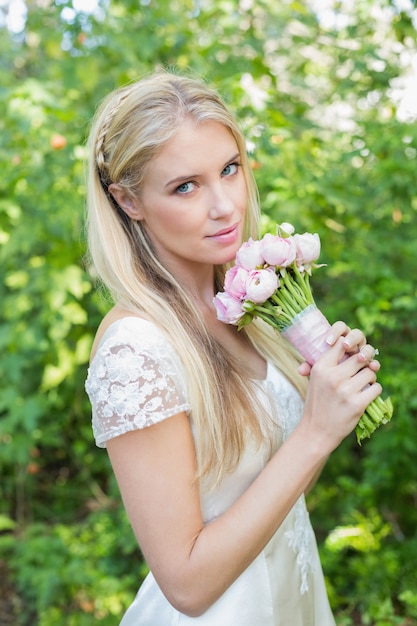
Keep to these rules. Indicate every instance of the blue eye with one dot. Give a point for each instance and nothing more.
(185, 188)
(230, 169)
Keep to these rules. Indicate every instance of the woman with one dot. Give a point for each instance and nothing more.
(213, 434)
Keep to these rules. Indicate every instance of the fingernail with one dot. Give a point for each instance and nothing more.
(347, 343)
(362, 356)
(330, 339)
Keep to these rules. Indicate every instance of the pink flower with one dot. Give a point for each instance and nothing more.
(278, 251)
(235, 282)
(261, 285)
(249, 255)
(229, 309)
(308, 248)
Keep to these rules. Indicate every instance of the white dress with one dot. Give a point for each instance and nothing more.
(135, 380)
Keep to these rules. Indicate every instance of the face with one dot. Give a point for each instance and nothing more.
(193, 199)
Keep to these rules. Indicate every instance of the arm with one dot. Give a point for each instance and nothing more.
(155, 468)
(195, 564)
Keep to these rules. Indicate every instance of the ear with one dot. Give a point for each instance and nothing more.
(128, 203)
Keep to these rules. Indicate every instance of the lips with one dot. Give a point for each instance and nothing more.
(225, 231)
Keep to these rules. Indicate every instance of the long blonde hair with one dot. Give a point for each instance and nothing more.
(130, 128)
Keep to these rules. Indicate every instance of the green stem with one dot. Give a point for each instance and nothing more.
(303, 279)
(377, 413)
(266, 317)
(294, 289)
(285, 302)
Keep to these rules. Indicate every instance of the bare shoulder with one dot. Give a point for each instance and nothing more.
(115, 314)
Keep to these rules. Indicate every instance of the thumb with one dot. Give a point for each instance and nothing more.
(304, 369)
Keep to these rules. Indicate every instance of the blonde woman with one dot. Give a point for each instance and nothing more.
(213, 434)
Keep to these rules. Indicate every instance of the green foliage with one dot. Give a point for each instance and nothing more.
(76, 574)
(331, 154)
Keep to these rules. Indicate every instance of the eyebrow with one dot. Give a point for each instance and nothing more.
(178, 179)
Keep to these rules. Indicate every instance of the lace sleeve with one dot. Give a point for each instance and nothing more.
(135, 380)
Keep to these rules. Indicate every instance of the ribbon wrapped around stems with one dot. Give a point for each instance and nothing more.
(307, 333)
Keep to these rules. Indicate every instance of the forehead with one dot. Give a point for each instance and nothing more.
(194, 146)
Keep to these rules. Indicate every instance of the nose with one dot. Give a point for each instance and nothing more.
(221, 202)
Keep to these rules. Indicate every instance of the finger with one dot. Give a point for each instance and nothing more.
(338, 329)
(363, 377)
(374, 365)
(354, 340)
(367, 353)
(341, 352)
(371, 392)
(336, 353)
(361, 361)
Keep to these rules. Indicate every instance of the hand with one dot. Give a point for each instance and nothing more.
(342, 385)
(354, 341)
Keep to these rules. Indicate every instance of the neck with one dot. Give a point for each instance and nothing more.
(199, 285)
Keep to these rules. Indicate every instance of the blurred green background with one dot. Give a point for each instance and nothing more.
(326, 92)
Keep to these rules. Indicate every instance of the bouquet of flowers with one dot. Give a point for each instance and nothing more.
(271, 280)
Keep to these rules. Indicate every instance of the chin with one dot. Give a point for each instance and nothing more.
(227, 258)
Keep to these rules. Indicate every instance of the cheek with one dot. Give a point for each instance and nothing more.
(170, 216)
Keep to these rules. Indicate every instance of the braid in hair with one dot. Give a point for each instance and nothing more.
(102, 165)
(100, 151)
